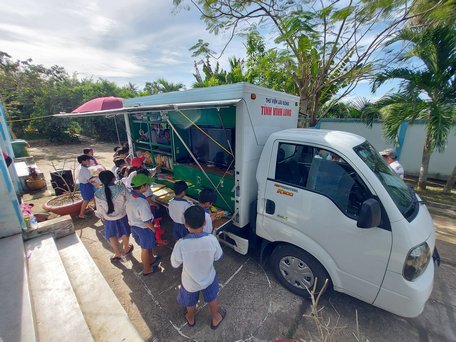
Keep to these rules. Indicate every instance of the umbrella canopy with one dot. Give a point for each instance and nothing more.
(100, 103)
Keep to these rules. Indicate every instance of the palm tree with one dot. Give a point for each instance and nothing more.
(427, 92)
(161, 86)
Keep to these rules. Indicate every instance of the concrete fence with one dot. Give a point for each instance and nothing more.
(409, 147)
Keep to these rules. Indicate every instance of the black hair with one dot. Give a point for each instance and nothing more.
(116, 148)
(82, 158)
(125, 145)
(106, 177)
(143, 171)
(122, 172)
(119, 162)
(121, 151)
(180, 187)
(87, 150)
(131, 169)
(195, 217)
(207, 195)
(138, 187)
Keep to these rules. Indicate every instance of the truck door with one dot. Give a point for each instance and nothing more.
(312, 199)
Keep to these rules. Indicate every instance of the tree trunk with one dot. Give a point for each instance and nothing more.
(422, 180)
(450, 183)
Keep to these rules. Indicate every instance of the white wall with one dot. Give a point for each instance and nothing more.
(441, 164)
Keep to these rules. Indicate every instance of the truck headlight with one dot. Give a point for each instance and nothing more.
(416, 261)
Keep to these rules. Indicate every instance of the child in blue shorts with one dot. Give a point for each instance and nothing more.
(141, 220)
(177, 207)
(86, 183)
(197, 252)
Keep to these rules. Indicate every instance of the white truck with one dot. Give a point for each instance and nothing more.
(319, 204)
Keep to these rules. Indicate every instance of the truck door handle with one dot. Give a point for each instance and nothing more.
(270, 207)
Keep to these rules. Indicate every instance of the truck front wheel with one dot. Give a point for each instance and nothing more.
(297, 270)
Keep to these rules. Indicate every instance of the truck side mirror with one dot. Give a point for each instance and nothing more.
(370, 214)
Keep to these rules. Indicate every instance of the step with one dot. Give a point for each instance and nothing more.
(58, 316)
(103, 312)
(16, 313)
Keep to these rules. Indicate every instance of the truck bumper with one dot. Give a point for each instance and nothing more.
(406, 298)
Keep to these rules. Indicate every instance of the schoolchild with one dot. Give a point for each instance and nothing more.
(111, 208)
(118, 164)
(86, 183)
(176, 208)
(122, 154)
(197, 252)
(89, 152)
(140, 219)
(207, 198)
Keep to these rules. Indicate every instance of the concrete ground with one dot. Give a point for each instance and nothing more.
(258, 307)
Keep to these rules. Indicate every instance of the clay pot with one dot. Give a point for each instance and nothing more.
(64, 205)
(35, 184)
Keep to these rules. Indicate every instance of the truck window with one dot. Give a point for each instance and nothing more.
(324, 172)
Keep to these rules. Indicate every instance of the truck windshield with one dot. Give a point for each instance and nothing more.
(397, 189)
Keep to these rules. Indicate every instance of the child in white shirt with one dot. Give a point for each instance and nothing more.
(177, 207)
(196, 252)
(207, 198)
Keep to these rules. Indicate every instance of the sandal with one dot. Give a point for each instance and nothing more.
(154, 270)
(186, 319)
(130, 250)
(116, 258)
(222, 313)
(156, 261)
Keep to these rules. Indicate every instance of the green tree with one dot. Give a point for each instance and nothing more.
(161, 86)
(427, 92)
(214, 76)
(332, 45)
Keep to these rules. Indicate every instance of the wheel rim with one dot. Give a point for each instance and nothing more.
(296, 272)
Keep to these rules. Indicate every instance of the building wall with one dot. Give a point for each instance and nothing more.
(11, 221)
(410, 144)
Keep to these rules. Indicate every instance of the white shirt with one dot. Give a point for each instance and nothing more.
(176, 208)
(397, 167)
(84, 175)
(119, 198)
(138, 211)
(208, 224)
(197, 254)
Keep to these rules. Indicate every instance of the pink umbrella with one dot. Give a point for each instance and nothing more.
(100, 103)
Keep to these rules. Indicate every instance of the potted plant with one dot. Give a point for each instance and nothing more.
(70, 201)
(34, 181)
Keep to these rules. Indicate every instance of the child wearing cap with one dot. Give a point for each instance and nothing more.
(207, 198)
(111, 200)
(176, 208)
(197, 252)
(141, 219)
(86, 183)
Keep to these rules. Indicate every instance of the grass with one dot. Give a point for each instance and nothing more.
(434, 192)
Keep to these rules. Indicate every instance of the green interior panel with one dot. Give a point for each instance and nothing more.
(199, 181)
(226, 117)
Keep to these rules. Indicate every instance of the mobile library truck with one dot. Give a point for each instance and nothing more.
(319, 204)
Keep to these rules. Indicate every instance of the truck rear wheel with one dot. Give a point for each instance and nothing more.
(297, 270)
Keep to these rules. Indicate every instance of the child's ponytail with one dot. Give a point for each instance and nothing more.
(107, 177)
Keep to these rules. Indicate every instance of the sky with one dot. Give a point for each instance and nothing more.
(122, 41)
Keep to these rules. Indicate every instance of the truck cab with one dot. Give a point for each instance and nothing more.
(330, 208)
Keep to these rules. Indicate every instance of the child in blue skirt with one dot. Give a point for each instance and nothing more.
(111, 208)
(177, 207)
(86, 183)
(197, 252)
